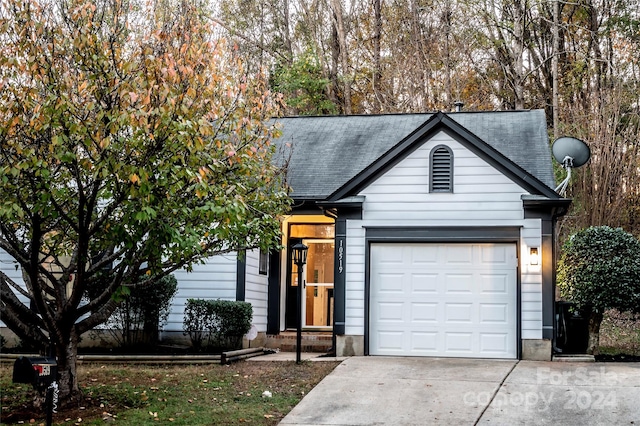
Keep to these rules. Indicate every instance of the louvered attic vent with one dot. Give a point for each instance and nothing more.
(441, 169)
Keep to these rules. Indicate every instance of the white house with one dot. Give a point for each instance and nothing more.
(428, 235)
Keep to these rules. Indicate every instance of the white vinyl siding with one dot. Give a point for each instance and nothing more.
(256, 287)
(354, 279)
(8, 267)
(482, 196)
(215, 279)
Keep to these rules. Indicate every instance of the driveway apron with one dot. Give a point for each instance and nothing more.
(395, 391)
(454, 391)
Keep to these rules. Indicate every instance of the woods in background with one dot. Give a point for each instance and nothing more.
(387, 56)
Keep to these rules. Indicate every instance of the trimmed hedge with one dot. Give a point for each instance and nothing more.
(216, 324)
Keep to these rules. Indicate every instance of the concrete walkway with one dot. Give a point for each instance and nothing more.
(434, 391)
(291, 356)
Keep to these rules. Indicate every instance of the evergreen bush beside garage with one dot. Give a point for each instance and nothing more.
(600, 270)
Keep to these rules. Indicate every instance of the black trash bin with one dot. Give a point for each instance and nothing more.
(572, 329)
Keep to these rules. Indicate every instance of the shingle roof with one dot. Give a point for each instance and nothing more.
(327, 152)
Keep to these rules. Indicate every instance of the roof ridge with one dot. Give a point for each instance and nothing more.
(391, 114)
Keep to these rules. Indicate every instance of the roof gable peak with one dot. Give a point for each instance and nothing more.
(441, 121)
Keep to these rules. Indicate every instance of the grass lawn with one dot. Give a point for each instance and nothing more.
(620, 334)
(180, 395)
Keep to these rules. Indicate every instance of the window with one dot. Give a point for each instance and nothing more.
(441, 171)
(263, 262)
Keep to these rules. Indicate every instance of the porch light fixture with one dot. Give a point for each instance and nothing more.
(299, 258)
(534, 257)
(300, 254)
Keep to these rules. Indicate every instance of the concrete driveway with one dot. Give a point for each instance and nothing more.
(431, 391)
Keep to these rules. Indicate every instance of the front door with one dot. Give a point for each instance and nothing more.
(317, 277)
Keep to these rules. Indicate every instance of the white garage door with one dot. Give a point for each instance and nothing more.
(449, 300)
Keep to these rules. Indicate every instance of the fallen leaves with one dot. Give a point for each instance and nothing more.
(256, 393)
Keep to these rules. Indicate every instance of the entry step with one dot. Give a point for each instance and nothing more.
(311, 341)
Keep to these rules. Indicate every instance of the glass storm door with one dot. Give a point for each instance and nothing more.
(317, 306)
(317, 309)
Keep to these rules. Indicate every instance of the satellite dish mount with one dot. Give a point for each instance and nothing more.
(570, 153)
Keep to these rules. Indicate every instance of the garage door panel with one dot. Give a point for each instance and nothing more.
(495, 283)
(390, 282)
(458, 312)
(494, 343)
(459, 283)
(387, 254)
(390, 312)
(457, 254)
(426, 312)
(491, 255)
(424, 283)
(424, 341)
(459, 342)
(391, 341)
(463, 307)
(424, 255)
(494, 313)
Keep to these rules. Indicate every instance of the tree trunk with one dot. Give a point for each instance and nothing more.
(344, 55)
(150, 328)
(446, 20)
(518, 52)
(67, 357)
(554, 68)
(377, 65)
(595, 319)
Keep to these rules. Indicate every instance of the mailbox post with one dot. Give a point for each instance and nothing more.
(41, 373)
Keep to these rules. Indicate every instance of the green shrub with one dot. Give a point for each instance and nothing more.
(216, 324)
(142, 312)
(600, 270)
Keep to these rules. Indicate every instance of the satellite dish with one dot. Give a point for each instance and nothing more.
(566, 147)
(570, 152)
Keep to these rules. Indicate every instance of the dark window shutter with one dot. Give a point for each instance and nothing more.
(441, 169)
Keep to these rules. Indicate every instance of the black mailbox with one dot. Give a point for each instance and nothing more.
(39, 371)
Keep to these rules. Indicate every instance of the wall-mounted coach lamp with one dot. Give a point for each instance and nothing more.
(534, 257)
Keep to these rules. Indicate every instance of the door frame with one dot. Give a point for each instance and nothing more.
(290, 301)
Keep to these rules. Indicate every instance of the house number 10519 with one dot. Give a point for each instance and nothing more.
(340, 255)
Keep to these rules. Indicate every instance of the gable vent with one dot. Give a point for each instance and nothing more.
(441, 169)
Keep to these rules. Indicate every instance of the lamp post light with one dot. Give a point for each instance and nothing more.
(299, 258)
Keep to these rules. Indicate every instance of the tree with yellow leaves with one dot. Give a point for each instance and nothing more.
(132, 144)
